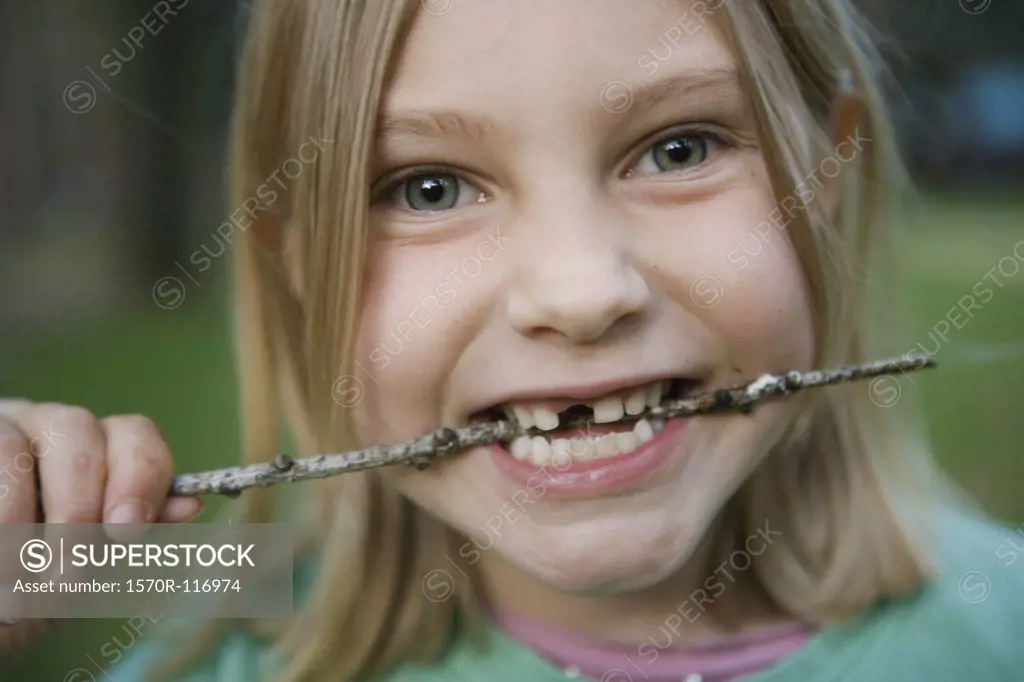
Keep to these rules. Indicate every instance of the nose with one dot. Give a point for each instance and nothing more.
(574, 277)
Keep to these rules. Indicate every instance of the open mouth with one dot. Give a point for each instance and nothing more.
(585, 430)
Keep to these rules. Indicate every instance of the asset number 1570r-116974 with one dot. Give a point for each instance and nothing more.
(183, 585)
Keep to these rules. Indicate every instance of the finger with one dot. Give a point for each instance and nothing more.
(10, 407)
(180, 509)
(17, 506)
(70, 450)
(139, 470)
(17, 475)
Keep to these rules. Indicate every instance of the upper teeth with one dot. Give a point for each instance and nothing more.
(606, 409)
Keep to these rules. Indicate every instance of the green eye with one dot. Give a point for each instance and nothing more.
(680, 153)
(430, 192)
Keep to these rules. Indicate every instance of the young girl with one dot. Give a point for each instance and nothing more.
(527, 206)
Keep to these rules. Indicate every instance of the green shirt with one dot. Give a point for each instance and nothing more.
(968, 626)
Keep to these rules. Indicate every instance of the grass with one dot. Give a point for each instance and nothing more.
(177, 367)
(973, 401)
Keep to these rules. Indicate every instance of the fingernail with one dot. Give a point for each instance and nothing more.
(128, 512)
(183, 508)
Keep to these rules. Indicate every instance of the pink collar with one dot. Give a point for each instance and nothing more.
(660, 658)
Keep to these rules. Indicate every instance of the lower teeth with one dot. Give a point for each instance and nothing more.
(539, 450)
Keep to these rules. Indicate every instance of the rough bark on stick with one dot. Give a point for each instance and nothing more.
(446, 441)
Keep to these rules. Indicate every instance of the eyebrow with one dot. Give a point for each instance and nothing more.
(716, 81)
(435, 124)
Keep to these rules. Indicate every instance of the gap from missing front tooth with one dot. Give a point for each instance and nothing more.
(575, 414)
(582, 416)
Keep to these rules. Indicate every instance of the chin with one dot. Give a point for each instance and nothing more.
(615, 563)
(622, 578)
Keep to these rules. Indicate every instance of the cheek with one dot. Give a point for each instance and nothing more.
(735, 269)
(397, 355)
(417, 316)
(765, 313)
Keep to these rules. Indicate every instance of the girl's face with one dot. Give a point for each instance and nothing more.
(573, 209)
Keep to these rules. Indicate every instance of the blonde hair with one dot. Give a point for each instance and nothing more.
(849, 484)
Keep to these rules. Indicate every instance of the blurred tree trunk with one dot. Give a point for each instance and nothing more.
(61, 165)
(176, 145)
(21, 173)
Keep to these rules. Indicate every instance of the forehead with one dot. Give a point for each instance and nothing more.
(516, 55)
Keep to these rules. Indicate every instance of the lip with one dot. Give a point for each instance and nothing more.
(594, 478)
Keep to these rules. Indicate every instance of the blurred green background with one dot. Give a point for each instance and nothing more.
(102, 199)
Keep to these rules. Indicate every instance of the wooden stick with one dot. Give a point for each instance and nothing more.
(447, 441)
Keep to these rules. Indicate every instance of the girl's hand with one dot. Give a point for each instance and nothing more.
(61, 464)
